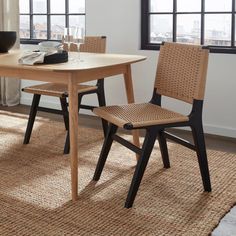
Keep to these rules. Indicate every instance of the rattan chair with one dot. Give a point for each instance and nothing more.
(181, 74)
(93, 44)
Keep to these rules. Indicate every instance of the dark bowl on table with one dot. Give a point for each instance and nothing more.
(7, 40)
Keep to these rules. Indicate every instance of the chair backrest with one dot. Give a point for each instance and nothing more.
(181, 71)
(93, 44)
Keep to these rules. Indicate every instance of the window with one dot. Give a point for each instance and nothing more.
(206, 22)
(46, 19)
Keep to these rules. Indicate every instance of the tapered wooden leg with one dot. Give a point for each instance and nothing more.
(163, 149)
(105, 151)
(73, 127)
(148, 144)
(199, 141)
(130, 98)
(32, 115)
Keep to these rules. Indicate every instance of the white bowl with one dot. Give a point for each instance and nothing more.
(49, 46)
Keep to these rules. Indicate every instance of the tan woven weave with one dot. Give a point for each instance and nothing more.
(56, 90)
(181, 74)
(93, 44)
(35, 197)
(181, 71)
(139, 115)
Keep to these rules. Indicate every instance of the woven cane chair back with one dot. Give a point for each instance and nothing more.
(93, 44)
(181, 71)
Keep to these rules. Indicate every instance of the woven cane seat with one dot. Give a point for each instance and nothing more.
(94, 44)
(139, 115)
(56, 90)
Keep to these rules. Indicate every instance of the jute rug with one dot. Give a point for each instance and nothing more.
(35, 187)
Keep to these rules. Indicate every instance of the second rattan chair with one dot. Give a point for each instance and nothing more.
(181, 74)
(92, 44)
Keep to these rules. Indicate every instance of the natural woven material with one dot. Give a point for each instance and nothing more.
(181, 71)
(181, 74)
(56, 90)
(35, 187)
(139, 115)
(93, 44)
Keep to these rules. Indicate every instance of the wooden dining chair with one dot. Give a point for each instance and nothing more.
(92, 44)
(181, 74)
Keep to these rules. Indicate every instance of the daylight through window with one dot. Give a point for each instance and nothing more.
(206, 22)
(46, 19)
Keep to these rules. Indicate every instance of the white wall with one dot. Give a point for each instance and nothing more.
(120, 22)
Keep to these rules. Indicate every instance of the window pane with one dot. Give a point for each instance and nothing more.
(77, 21)
(76, 6)
(161, 28)
(188, 28)
(57, 27)
(185, 6)
(57, 6)
(39, 6)
(24, 6)
(24, 27)
(161, 6)
(218, 5)
(218, 29)
(40, 27)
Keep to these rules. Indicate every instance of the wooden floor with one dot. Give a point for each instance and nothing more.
(227, 226)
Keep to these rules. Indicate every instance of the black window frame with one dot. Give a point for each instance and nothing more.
(48, 14)
(145, 26)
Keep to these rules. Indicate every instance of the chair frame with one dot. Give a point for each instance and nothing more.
(154, 132)
(99, 91)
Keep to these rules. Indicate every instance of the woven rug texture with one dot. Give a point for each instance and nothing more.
(35, 197)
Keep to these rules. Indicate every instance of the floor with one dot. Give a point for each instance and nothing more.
(227, 226)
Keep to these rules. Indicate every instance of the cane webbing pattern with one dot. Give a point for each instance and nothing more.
(93, 44)
(139, 115)
(181, 71)
(56, 90)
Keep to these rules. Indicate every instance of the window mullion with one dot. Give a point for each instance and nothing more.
(202, 22)
(67, 13)
(174, 19)
(233, 24)
(31, 18)
(48, 19)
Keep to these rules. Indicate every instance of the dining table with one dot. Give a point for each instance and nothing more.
(91, 67)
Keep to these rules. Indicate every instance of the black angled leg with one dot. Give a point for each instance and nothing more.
(105, 150)
(102, 102)
(64, 109)
(199, 141)
(163, 149)
(148, 144)
(33, 112)
(67, 142)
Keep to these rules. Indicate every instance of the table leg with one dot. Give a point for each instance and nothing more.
(73, 121)
(130, 99)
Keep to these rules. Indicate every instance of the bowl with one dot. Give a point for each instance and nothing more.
(49, 46)
(7, 40)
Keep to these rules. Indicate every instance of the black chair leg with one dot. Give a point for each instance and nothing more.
(105, 150)
(199, 141)
(64, 109)
(102, 102)
(163, 149)
(147, 148)
(32, 115)
(67, 142)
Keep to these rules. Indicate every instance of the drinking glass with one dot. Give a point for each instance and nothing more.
(68, 36)
(78, 38)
